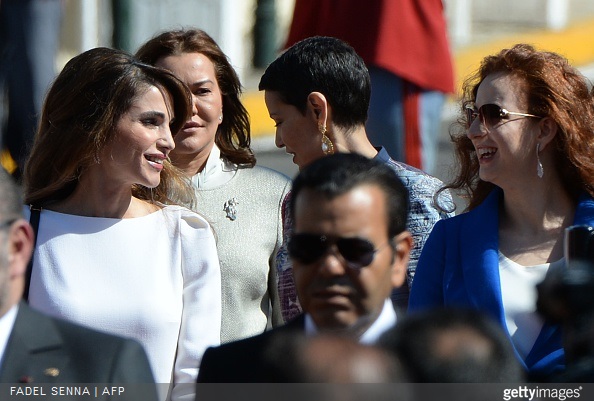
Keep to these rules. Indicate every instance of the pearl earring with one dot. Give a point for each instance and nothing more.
(539, 169)
(327, 145)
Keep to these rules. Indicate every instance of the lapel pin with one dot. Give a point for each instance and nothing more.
(51, 372)
(230, 207)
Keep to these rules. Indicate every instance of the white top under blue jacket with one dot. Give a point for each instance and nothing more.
(459, 266)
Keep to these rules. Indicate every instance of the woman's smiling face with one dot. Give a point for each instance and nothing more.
(142, 142)
(506, 149)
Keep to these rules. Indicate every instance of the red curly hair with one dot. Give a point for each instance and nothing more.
(556, 90)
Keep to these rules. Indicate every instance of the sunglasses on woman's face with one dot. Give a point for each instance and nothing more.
(308, 248)
(491, 114)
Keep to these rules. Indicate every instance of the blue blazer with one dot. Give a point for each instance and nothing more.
(459, 266)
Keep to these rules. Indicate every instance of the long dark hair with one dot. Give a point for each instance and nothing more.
(79, 116)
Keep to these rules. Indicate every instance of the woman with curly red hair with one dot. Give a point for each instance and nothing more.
(525, 164)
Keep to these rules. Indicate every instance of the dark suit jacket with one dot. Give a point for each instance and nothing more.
(42, 349)
(251, 360)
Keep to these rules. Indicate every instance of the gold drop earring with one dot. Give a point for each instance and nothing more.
(327, 145)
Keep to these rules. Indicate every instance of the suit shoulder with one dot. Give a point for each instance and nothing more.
(259, 340)
(87, 355)
(237, 361)
(243, 361)
(242, 345)
(85, 335)
(124, 357)
(68, 330)
(455, 222)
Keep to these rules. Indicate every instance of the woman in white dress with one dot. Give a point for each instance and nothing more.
(113, 250)
(242, 201)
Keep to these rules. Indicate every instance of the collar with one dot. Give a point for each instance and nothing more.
(382, 155)
(385, 320)
(6, 325)
(217, 171)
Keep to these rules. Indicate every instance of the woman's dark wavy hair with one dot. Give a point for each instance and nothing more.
(233, 135)
(555, 90)
(79, 117)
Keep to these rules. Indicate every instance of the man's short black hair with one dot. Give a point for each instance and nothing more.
(337, 174)
(453, 345)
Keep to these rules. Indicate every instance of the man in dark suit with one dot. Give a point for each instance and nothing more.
(349, 248)
(35, 348)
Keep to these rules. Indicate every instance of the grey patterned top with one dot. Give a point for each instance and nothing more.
(245, 214)
(422, 216)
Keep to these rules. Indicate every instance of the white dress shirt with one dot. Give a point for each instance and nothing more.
(216, 172)
(6, 325)
(384, 321)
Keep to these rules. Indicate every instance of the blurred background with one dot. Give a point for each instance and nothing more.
(252, 33)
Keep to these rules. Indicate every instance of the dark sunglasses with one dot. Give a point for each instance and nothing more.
(307, 248)
(491, 114)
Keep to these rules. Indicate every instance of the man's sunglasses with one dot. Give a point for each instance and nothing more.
(491, 114)
(307, 248)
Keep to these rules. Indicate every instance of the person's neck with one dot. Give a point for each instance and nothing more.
(97, 198)
(12, 300)
(537, 205)
(354, 331)
(533, 221)
(355, 141)
(190, 164)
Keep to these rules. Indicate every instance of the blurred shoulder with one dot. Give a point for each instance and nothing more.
(75, 335)
(422, 189)
(413, 176)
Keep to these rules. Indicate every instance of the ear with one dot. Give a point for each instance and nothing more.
(403, 243)
(317, 106)
(20, 248)
(548, 131)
